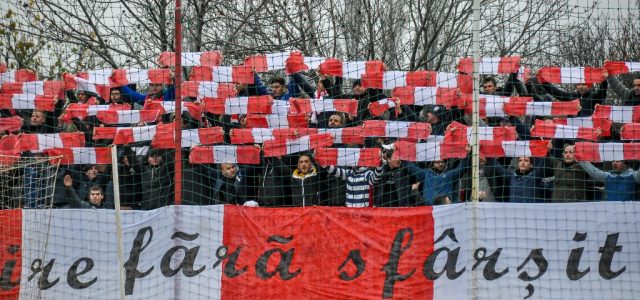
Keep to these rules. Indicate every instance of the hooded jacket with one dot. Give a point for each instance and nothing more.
(305, 188)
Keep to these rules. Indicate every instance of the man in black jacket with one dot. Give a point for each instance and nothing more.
(96, 196)
(305, 183)
(231, 187)
(156, 182)
(589, 97)
(365, 97)
(394, 189)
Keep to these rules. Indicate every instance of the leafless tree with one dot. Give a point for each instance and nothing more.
(406, 35)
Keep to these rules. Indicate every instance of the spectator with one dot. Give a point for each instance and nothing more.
(395, 185)
(571, 183)
(275, 183)
(629, 96)
(436, 180)
(282, 91)
(155, 92)
(257, 88)
(96, 196)
(619, 184)
(90, 176)
(156, 182)
(525, 183)
(364, 97)
(279, 91)
(360, 182)
(38, 123)
(306, 183)
(129, 170)
(490, 86)
(435, 117)
(486, 183)
(336, 120)
(230, 187)
(116, 97)
(198, 181)
(585, 92)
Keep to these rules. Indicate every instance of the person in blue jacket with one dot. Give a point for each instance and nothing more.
(154, 92)
(436, 181)
(619, 184)
(525, 183)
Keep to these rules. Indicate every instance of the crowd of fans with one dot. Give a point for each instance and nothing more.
(146, 174)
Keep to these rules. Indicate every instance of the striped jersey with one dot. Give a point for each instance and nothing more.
(358, 182)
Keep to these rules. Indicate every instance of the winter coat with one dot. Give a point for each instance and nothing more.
(617, 186)
(394, 189)
(571, 183)
(524, 187)
(156, 186)
(305, 188)
(434, 184)
(231, 190)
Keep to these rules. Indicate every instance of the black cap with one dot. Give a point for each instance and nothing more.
(437, 110)
(153, 151)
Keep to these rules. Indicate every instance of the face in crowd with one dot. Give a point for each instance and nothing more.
(582, 88)
(115, 96)
(304, 164)
(155, 89)
(524, 163)
(229, 170)
(82, 97)
(277, 89)
(619, 166)
(394, 162)
(358, 89)
(335, 121)
(432, 118)
(489, 87)
(636, 86)
(569, 154)
(91, 172)
(95, 196)
(154, 159)
(38, 118)
(438, 165)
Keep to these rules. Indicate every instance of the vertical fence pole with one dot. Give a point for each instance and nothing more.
(475, 154)
(475, 167)
(178, 113)
(116, 200)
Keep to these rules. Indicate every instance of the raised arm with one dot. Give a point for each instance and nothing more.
(594, 172)
(497, 168)
(297, 80)
(339, 172)
(509, 86)
(619, 88)
(556, 92)
(416, 172)
(374, 176)
(601, 93)
(133, 95)
(169, 94)
(72, 197)
(636, 176)
(456, 172)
